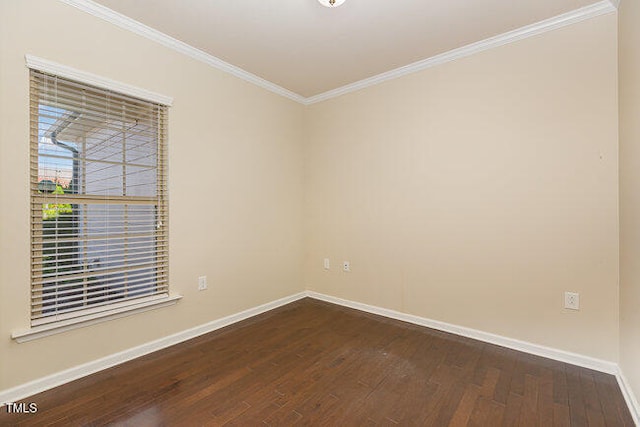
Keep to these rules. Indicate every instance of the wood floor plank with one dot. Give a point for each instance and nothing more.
(487, 412)
(561, 415)
(593, 407)
(610, 396)
(314, 363)
(545, 398)
(528, 411)
(560, 389)
(512, 410)
(506, 364)
(577, 410)
(465, 406)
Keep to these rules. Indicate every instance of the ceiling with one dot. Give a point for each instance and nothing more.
(309, 49)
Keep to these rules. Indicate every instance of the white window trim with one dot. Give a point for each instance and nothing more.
(92, 316)
(65, 71)
(88, 319)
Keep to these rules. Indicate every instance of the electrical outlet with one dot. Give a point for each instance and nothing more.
(346, 266)
(326, 264)
(572, 300)
(202, 283)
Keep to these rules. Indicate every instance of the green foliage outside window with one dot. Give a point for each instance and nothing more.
(53, 210)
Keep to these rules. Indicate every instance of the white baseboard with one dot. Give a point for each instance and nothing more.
(23, 391)
(527, 347)
(629, 397)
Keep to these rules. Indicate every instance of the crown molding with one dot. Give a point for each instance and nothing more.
(139, 28)
(601, 8)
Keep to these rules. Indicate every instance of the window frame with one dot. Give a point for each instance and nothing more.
(118, 308)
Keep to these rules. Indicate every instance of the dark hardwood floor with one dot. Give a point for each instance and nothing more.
(313, 363)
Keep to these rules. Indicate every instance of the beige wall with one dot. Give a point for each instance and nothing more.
(629, 54)
(473, 193)
(477, 191)
(235, 185)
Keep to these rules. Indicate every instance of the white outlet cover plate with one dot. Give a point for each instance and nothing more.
(572, 300)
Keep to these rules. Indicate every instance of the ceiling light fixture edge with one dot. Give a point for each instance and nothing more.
(331, 3)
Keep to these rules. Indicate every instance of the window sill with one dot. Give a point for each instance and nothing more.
(46, 330)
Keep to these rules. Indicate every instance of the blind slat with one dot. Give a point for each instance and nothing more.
(61, 314)
(92, 292)
(90, 289)
(65, 276)
(160, 275)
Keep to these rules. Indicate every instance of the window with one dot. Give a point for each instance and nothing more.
(99, 235)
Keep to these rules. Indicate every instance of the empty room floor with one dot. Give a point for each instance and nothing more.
(314, 363)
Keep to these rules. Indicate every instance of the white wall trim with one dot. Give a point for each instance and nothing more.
(23, 391)
(139, 28)
(629, 396)
(95, 316)
(65, 71)
(527, 347)
(122, 21)
(587, 12)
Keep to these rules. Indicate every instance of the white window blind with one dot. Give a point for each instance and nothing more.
(99, 234)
